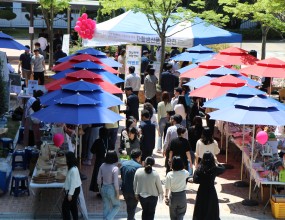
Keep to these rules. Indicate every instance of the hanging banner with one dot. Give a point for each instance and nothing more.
(65, 44)
(133, 58)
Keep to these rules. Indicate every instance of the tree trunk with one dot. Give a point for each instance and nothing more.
(265, 30)
(51, 38)
(162, 39)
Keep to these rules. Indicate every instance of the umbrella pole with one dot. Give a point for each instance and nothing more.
(241, 183)
(80, 147)
(222, 135)
(249, 201)
(76, 141)
(270, 87)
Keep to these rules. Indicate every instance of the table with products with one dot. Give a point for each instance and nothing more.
(50, 173)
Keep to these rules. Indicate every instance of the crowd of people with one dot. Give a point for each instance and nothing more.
(171, 126)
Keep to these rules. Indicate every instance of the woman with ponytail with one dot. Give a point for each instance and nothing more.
(147, 188)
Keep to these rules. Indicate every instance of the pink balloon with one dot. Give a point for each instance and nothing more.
(84, 16)
(77, 28)
(58, 139)
(87, 31)
(78, 23)
(79, 19)
(262, 137)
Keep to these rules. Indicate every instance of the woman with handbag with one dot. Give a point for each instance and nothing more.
(205, 175)
(108, 183)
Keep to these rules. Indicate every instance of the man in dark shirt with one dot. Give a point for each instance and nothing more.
(128, 170)
(59, 53)
(25, 65)
(132, 103)
(144, 63)
(168, 81)
(147, 140)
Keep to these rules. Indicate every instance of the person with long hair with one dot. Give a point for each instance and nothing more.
(206, 143)
(147, 188)
(108, 183)
(162, 109)
(205, 175)
(122, 69)
(72, 188)
(181, 109)
(175, 184)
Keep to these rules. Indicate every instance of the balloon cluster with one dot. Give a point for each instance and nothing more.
(85, 27)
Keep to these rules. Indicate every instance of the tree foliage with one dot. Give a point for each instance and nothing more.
(160, 12)
(49, 9)
(7, 11)
(266, 12)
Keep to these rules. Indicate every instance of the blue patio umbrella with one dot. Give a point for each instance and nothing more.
(87, 89)
(84, 111)
(186, 68)
(6, 41)
(186, 56)
(215, 73)
(200, 49)
(91, 51)
(252, 111)
(110, 77)
(205, 58)
(88, 65)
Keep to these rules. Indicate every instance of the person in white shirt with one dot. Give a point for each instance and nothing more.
(181, 109)
(206, 143)
(72, 188)
(175, 184)
(43, 42)
(177, 92)
(133, 80)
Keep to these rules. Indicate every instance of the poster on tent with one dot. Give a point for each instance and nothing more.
(65, 43)
(133, 58)
(32, 85)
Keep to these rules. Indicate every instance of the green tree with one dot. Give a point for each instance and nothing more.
(160, 12)
(49, 9)
(7, 11)
(264, 12)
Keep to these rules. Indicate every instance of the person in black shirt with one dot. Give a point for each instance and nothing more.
(147, 141)
(59, 53)
(24, 66)
(132, 104)
(168, 81)
(180, 147)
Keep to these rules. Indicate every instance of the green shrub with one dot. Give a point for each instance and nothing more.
(256, 34)
(7, 14)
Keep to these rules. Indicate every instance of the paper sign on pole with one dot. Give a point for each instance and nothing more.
(65, 43)
(133, 58)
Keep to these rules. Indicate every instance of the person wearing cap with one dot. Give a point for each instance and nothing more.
(133, 80)
(24, 65)
(38, 66)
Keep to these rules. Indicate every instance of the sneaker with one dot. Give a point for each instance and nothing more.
(87, 162)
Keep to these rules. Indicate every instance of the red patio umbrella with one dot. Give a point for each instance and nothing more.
(81, 58)
(236, 56)
(218, 87)
(85, 75)
(271, 67)
(203, 68)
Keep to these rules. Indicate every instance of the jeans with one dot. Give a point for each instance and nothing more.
(177, 205)
(132, 203)
(70, 206)
(148, 207)
(161, 124)
(111, 205)
(113, 133)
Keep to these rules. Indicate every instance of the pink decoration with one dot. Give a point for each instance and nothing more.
(262, 137)
(85, 27)
(58, 139)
